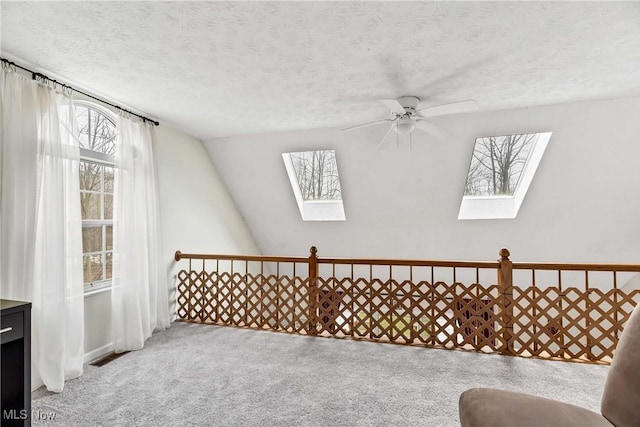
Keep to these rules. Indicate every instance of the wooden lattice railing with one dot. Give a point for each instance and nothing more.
(556, 311)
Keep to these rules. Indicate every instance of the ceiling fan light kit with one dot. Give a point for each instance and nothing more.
(407, 115)
(405, 125)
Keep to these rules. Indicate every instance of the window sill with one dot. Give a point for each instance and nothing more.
(97, 289)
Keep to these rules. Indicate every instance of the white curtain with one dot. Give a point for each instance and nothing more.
(140, 294)
(40, 226)
(18, 187)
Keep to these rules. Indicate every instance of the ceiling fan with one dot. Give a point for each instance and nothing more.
(407, 115)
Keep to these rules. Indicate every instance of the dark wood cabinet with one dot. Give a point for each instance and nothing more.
(15, 363)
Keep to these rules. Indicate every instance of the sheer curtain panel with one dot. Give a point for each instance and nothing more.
(41, 243)
(140, 300)
(18, 186)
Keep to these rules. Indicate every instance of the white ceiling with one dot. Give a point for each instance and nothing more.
(217, 69)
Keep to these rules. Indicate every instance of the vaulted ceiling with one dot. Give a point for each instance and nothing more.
(255, 79)
(215, 69)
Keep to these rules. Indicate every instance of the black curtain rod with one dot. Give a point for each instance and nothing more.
(35, 75)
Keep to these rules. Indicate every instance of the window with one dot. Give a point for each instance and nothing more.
(316, 184)
(97, 136)
(500, 172)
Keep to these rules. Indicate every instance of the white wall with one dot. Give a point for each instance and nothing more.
(97, 324)
(582, 206)
(198, 215)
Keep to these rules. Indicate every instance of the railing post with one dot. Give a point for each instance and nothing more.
(505, 286)
(312, 327)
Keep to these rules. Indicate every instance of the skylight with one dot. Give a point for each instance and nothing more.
(315, 184)
(500, 172)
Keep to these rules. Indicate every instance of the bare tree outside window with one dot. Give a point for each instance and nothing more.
(96, 131)
(497, 164)
(317, 174)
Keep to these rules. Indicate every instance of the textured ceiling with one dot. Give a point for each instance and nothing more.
(216, 69)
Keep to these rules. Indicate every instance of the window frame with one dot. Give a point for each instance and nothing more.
(103, 160)
(315, 209)
(505, 206)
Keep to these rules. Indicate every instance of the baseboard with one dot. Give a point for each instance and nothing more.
(98, 352)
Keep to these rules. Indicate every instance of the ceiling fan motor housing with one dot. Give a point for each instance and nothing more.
(410, 103)
(405, 123)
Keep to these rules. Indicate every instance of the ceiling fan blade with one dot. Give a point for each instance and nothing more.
(367, 124)
(384, 137)
(432, 129)
(454, 107)
(393, 105)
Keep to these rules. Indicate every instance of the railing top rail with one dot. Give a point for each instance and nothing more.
(409, 262)
(344, 261)
(417, 263)
(224, 257)
(575, 266)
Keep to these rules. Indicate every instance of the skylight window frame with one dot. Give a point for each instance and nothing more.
(505, 206)
(314, 209)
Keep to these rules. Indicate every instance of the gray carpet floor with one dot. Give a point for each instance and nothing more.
(203, 375)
